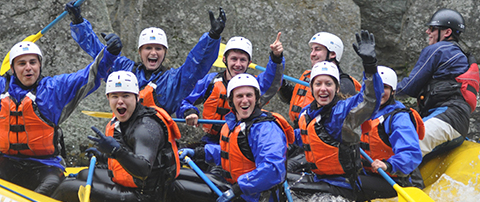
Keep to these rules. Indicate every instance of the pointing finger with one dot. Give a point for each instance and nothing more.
(278, 37)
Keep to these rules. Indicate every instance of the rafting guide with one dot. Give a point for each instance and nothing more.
(443, 102)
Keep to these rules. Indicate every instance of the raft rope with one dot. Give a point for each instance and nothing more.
(15, 192)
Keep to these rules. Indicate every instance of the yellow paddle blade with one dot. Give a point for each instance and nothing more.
(106, 115)
(411, 194)
(219, 62)
(6, 60)
(84, 193)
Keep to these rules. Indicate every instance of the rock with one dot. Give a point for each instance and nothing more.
(398, 27)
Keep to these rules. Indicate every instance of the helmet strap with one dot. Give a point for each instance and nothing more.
(328, 56)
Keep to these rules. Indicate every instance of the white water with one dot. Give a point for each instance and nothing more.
(445, 189)
(453, 191)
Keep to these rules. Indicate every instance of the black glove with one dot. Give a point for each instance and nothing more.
(114, 44)
(107, 145)
(218, 24)
(74, 12)
(366, 50)
(92, 151)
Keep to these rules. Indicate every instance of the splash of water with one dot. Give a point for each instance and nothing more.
(447, 189)
(317, 197)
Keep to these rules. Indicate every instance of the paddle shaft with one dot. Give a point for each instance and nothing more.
(109, 115)
(287, 191)
(60, 17)
(289, 78)
(201, 121)
(84, 192)
(33, 38)
(91, 168)
(202, 175)
(388, 178)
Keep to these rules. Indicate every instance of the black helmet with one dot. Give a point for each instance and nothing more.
(448, 18)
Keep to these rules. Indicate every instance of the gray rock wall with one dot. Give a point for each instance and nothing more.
(398, 26)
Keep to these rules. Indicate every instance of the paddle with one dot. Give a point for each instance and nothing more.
(84, 192)
(219, 63)
(410, 194)
(202, 175)
(287, 191)
(35, 37)
(109, 115)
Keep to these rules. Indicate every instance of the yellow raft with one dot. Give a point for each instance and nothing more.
(453, 176)
(13, 193)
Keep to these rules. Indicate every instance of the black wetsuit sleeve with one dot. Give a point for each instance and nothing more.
(285, 92)
(146, 139)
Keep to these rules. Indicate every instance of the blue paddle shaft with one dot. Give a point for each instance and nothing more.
(289, 78)
(202, 175)
(381, 171)
(60, 17)
(91, 168)
(201, 121)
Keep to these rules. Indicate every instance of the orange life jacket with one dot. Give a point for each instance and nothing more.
(23, 132)
(120, 175)
(358, 85)
(375, 141)
(216, 105)
(237, 161)
(148, 96)
(302, 95)
(325, 155)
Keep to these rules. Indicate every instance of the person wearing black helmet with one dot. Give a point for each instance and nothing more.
(433, 81)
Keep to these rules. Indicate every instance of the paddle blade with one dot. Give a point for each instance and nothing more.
(106, 115)
(81, 193)
(6, 60)
(5, 64)
(411, 194)
(219, 62)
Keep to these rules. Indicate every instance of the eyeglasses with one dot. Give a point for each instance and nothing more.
(433, 28)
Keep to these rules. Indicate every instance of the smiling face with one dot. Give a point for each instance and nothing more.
(152, 55)
(237, 62)
(433, 33)
(244, 101)
(27, 68)
(319, 53)
(122, 104)
(324, 89)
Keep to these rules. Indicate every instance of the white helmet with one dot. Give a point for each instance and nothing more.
(23, 48)
(240, 43)
(122, 81)
(388, 76)
(332, 42)
(242, 80)
(325, 68)
(152, 35)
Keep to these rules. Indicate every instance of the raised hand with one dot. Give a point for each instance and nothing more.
(366, 50)
(217, 25)
(114, 44)
(74, 12)
(276, 46)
